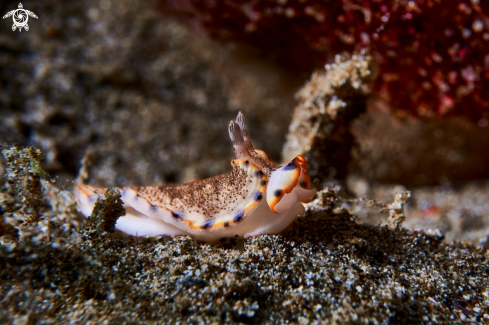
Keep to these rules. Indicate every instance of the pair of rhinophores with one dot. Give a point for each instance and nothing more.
(255, 198)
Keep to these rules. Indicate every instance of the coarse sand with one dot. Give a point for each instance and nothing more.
(324, 268)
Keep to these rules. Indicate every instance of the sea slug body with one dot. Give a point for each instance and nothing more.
(255, 198)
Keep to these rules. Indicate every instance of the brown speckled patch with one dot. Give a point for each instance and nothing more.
(212, 203)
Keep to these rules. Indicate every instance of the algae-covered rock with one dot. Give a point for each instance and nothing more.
(107, 210)
(23, 183)
(31, 207)
(100, 227)
(22, 199)
(329, 102)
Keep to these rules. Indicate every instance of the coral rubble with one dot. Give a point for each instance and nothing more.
(107, 210)
(31, 207)
(329, 102)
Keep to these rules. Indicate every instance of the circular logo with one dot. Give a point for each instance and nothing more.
(20, 18)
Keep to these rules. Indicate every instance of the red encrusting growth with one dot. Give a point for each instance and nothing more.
(433, 55)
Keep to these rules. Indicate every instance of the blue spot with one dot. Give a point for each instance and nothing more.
(207, 225)
(258, 196)
(278, 193)
(259, 174)
(153, 208)
(91, 198)
(290, 166)
(239, 216)
(247, 164)
(176, 215)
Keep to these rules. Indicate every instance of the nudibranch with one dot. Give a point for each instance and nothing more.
(257, 197)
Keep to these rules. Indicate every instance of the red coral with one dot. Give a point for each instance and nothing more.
(433, 54)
